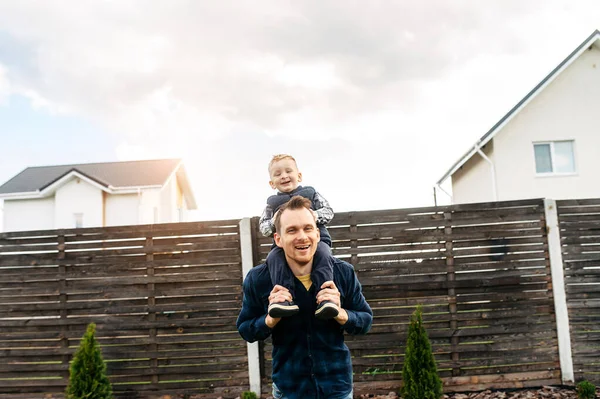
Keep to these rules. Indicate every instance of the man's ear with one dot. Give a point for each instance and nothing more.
(272, 184)
(277, 238)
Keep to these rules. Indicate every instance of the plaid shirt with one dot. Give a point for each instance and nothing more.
(310, 358)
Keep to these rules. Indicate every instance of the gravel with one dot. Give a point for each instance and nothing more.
(547, 392)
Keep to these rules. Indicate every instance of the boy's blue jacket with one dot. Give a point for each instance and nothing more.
(318, 204)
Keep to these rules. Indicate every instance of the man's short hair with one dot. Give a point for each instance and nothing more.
(297, 202)
(279, 157)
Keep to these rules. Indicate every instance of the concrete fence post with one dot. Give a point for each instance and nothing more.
(247, 264)
(560, 296)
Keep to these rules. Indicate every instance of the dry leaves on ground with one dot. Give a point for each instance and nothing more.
(542, 393)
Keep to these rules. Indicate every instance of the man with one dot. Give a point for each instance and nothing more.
(310, 359)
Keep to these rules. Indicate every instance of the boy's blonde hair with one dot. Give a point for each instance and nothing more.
(279, 157)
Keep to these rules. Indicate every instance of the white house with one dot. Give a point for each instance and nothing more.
(97, 194)
(548, 145)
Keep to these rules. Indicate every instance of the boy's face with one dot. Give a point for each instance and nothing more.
(284, 175)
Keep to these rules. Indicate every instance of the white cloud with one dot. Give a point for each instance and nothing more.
(254, 68)
(385, 96)
(4, 85)
(131, 152)
(316, 76)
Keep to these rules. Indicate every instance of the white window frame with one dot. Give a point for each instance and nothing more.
(552, 158)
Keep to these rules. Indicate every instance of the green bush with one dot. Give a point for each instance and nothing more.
(248, 395)
(419, 373)
(586, 390)
(87, 373)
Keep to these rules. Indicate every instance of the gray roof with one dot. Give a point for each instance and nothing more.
(109, 174)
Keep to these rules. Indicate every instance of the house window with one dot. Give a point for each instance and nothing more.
(554, 157)
(78, 218)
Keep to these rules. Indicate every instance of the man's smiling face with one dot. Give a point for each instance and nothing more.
(298, 237)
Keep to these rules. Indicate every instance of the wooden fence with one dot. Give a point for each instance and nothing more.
(481, 272)
(580, 238)
(165, 299)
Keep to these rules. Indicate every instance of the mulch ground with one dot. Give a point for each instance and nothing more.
(545, 392)
(541, 393)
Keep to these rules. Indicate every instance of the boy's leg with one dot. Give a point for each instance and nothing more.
(323, 271)
(281, 274)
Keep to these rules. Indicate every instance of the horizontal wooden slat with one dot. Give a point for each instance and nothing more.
(499, 280)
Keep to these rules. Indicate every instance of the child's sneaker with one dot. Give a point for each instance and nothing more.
(326, 310)
(283, 309)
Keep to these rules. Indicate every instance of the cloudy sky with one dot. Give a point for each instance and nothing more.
(375, 99)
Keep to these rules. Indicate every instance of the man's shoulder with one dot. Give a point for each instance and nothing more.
(343, 275)
(259, 272)
(342, 266)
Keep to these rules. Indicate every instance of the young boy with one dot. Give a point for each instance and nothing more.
(285, 178)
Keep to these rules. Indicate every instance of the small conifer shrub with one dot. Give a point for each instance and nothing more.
(249, 395)
(419, 373)
(586, 390)
(87, 373)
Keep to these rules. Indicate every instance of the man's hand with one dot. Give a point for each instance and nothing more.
(329, 292)
(278, 294)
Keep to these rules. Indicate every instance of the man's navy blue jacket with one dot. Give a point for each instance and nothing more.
(310, 358)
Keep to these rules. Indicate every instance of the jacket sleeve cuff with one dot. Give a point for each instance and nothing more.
(351, 322)
(261, 325)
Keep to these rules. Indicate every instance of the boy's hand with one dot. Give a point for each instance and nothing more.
(315, 215)
(273, 220)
